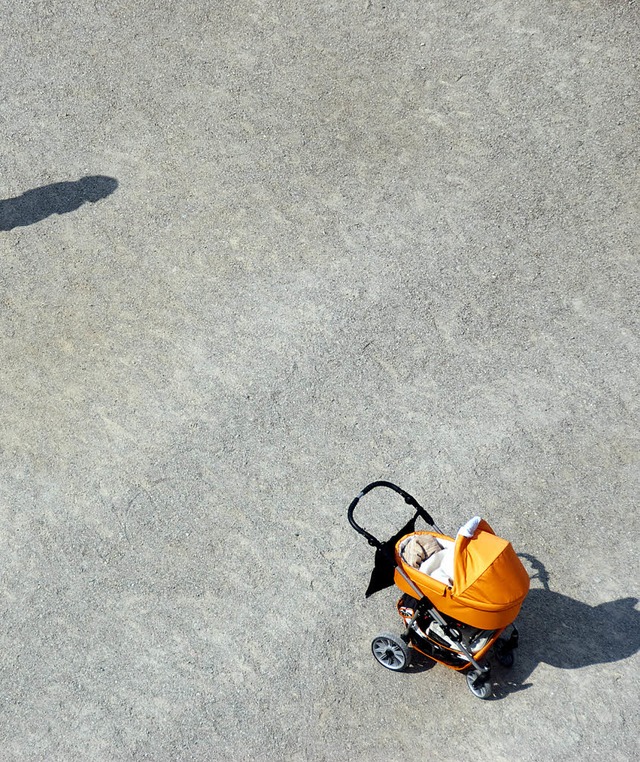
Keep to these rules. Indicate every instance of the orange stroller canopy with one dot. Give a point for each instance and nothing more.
(489, 581)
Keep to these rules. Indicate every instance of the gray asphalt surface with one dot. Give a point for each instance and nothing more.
(320, 243)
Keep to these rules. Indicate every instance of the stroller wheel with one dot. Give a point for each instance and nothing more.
(479, 684)
(505, 657)
(391, 651)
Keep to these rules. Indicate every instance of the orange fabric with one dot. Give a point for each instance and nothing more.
(489, 584)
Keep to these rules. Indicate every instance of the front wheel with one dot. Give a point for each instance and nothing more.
(479, 684)
(391, 651)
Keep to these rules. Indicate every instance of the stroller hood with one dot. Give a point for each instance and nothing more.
(487, 573)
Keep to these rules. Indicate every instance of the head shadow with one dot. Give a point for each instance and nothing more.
(58, 198)
(569, 634)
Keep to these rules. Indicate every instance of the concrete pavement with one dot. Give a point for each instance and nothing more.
(348, 241)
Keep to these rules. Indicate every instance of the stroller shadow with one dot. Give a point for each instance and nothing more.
(568, 634)
(59, 198)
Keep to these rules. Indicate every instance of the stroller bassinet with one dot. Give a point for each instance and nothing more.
(489, 580)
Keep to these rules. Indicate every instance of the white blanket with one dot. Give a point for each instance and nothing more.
(440, 564)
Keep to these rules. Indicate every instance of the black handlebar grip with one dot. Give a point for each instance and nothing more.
(409, 499)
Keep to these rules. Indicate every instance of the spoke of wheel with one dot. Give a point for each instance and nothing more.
(388, 653)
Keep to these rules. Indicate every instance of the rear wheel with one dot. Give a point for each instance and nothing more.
(506, 658)
(391, 651)
(504, 654)
(479, 684)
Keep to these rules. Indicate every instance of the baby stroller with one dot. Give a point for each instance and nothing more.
(460, 596)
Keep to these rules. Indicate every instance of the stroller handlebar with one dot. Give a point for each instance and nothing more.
(409, 499)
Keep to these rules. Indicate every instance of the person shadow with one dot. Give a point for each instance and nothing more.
(58, 198)
(568, 634)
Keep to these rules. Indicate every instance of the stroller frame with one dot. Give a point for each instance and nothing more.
(419, 614)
